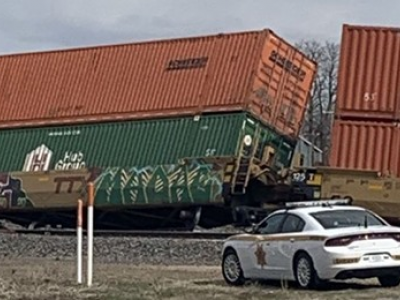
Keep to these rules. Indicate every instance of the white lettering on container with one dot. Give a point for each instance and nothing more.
(38, 159)
(71, 161)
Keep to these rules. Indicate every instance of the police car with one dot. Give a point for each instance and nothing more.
(313, 242)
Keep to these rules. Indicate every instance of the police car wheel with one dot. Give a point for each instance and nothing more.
(305, 274)
(231, 268)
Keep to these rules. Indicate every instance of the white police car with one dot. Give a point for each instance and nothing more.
(313, 242)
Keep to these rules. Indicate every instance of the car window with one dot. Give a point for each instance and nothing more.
(271, 225)
(293, 224)
(346, 218)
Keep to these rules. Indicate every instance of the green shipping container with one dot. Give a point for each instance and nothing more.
(135, 143)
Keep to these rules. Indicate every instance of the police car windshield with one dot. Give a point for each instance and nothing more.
(346, 218)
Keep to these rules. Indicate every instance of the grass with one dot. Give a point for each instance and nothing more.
(56, 280)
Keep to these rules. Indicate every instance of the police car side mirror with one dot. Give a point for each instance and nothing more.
(248, 229)
(251, 229)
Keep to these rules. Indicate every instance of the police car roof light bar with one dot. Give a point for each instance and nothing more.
(329, 202)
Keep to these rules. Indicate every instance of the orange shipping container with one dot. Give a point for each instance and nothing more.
(255, 71)
(369, 73)
(366, 146)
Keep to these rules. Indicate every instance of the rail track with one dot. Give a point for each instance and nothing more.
(125, 233)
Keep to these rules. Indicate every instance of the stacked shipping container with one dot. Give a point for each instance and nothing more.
(366, 133)
(255, 72)
(366, 145)
(369, 73)
(133, 143)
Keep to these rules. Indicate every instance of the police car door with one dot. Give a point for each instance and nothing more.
(287, 246)
(264, 249)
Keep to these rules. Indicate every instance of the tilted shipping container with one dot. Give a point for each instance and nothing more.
(136, 143)
(366, 146)
(255, 71)
(369, 73)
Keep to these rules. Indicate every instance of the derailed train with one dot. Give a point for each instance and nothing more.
(212, 180)
(180, 196)
(173, 133)
(228, 169)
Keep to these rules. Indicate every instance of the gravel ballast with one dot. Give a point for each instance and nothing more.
(136, 250)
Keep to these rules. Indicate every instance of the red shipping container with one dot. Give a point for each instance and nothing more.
(255, 71)
(366, 146)
(369, 73)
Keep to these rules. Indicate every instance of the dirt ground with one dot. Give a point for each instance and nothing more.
(45, 279)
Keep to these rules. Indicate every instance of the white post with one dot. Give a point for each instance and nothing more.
(90, 234)
(79, 240)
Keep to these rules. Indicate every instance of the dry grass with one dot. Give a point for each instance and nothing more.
(45, 280)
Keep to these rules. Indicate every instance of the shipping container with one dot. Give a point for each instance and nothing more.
(136, 143)
(366, 146)
(369, 73)
(254, 71)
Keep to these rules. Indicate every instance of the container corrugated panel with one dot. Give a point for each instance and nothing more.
(282, 84)
(127, 144)
(254, 70)
(119, 144)
(369, 73)
(366, 146)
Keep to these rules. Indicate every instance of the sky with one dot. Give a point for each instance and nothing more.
(37, 25)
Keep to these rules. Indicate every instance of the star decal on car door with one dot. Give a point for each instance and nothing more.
(260, 255)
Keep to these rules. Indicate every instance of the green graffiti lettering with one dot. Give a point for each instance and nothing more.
(103, 187)
(199, 186)
(134, 188)
(159, 185)
(179, 189)
(157, 189)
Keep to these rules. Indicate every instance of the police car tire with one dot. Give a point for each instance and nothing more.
(240, 280)
(304, 261)
(389, 281)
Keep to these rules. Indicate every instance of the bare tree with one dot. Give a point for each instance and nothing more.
(320, 111)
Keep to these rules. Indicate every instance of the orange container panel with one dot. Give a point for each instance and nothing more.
(369, 73)
(255, 71)
(282, 84)
(366, 146)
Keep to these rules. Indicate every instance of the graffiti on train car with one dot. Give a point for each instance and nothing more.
(159, 185)
(43, 189)
(164, 184)
(12, 193)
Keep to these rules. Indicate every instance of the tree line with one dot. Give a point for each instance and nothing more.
(319, 116)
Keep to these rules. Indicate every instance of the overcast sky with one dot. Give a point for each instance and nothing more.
(35, 25)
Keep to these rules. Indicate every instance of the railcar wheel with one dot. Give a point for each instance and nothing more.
(231, 268)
